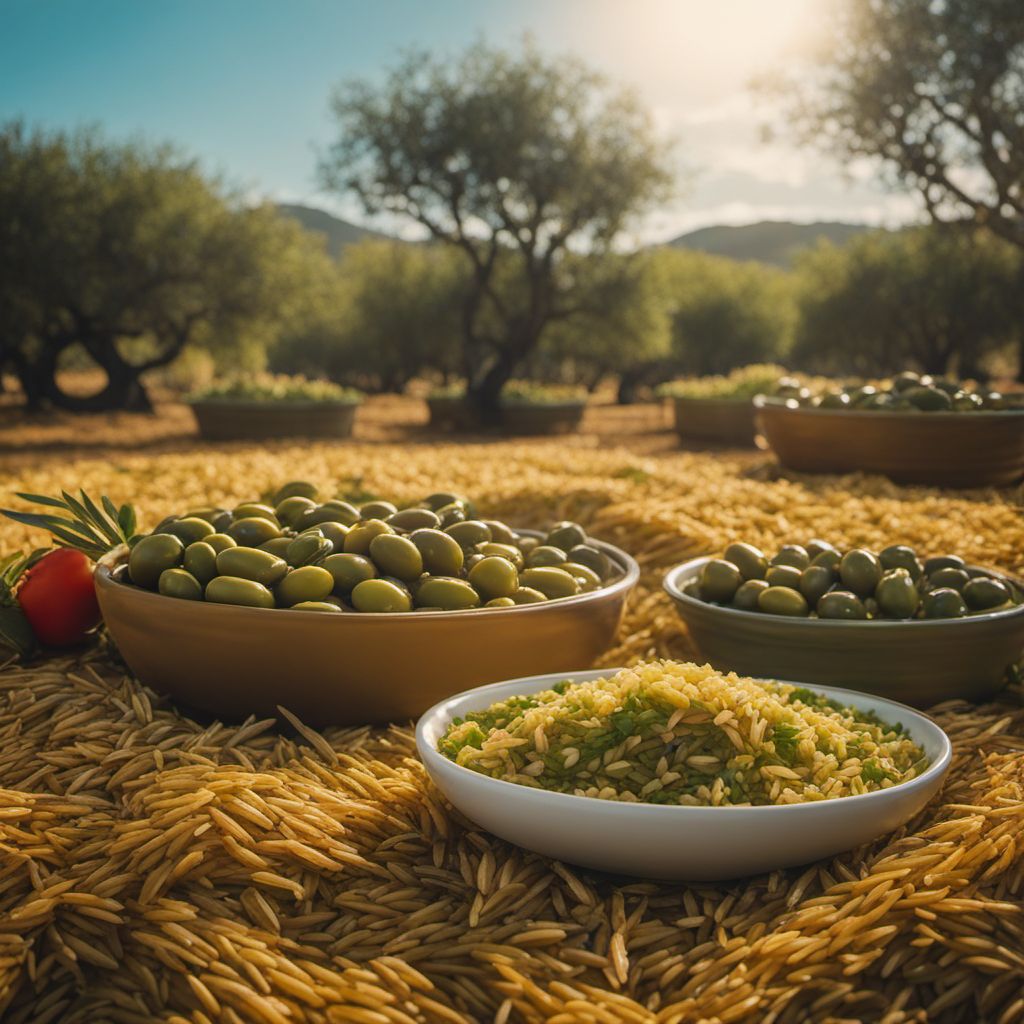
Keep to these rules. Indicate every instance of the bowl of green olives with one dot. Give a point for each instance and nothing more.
(348, 613)
(916, 630)
(917, 429)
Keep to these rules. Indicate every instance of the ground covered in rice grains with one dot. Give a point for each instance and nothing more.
(160, 867)
(666, 732)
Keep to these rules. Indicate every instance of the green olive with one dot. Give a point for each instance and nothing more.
(349, 571)
(235, 590)
(295, 489)
(583, 575)
(985, 592)
(937, 562)
(377, 510)
(151, 556)
(527, 544)
(527, 595)
(189, 530)
(546, 554)
(815, 582)
(834, 400)
(943, 603)
(441, 499)
(209, 514)
(276, 546)
(380, 596)
(447, 592)
(900, 556)
(928, 399)
(830, 559)
(329, 512)
(442, 555)
(307, 583)
(783, 576)
(782, 601)
(509, 551)
(750, 561)
(308, 549)
(410, 519)
(906, 380)
(251, 564)
(792, 554)
(292, 509)
(860, 571)
(449, 515)
(896, 594)
(181, 584)
(719, 580)
(551, 582)
(315, 606)
(494, 577)
(220, 541)
(253, 531)
(500, 602)
(201, 561)
(469, 532)
(359, 538)
(841, 604)
(500, 533)
(334, 532)
(746, 596)
(595, 560)
(222, 521)
(818, 547)
(949, 577)
(396, 556)
(254, 508)
(566, 535)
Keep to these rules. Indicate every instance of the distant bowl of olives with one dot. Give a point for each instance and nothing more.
(915, 429)
(348, 612)
(914, 629)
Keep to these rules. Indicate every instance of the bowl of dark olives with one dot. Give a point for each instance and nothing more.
(914, 629)
(916, 429)
(348, 613)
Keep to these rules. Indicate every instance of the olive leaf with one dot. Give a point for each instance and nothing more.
(86, 526)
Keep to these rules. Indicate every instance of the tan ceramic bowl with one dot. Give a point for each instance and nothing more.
(919, 662)
(942, 449)
(353, 668)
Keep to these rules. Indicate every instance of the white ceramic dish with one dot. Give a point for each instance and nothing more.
(681, 843)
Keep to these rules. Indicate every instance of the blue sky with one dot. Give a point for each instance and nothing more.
(244, 84)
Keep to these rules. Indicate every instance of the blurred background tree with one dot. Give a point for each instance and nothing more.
(128, 254)
(498, 153)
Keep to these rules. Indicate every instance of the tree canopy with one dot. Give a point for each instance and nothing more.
(499, 154)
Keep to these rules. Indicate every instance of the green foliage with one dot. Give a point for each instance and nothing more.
(747, 381)
(514, 160)
(522, 392)
(82, 524)
(131, 254)
(939, 299)
(269, 387)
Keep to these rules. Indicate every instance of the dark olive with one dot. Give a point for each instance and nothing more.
(396, 556)
(904, 381)
(201, 561)
(566, 535)
(500, 533)
(984, 592)
(251, 564)
(252, 531)
(834, 400)
(442, 499)
(410, 519)
(546, 554)
(292, 489)
(469, 532)
(900, 556)
(783, 576)
(860, 571)
(937, 562)
(349, 571)
(782, 601)
(815, 582)
(928, 399)
(829, 558)
(598, 561)
(746, 596)
(792, 554)
(750, 561)
(841, 604)
(948, 577)
(451, 514)
(334, 532)
(817, 547)
(442, 555)
(151, 556)
(943, 603)
(896, 594)
(181, 584)
(719, 580)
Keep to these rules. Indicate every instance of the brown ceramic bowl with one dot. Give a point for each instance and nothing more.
(943, 449)
(724, 421)
(920, 662)
(234, 420)
(349, 669)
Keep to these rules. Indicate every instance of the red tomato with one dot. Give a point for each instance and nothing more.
(58, 597)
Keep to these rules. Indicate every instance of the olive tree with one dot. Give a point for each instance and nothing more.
(501, 155)
(129, 254)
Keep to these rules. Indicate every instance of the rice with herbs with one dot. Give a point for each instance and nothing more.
(677, 733)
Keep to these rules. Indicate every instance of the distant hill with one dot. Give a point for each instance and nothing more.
(769, 241)
(339, 233)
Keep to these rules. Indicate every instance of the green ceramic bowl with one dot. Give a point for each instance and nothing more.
(920, 662)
